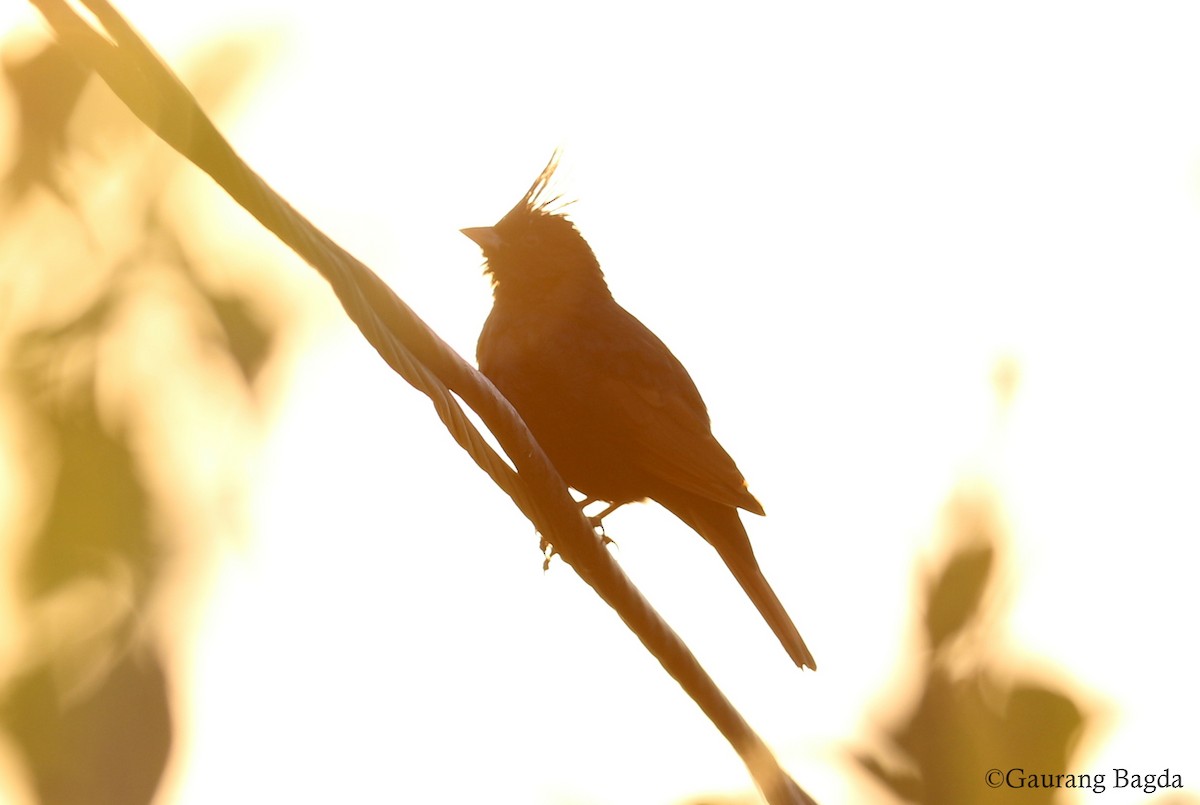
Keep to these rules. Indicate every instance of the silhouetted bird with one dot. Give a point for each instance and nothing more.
(610, 405)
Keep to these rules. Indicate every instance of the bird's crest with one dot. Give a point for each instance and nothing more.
(537, 199)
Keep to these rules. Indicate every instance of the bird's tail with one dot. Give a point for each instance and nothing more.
(721, 526)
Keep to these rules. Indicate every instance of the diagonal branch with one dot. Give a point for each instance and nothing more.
(148, 87)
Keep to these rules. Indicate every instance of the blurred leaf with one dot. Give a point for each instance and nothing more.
(249, 343)
(46, 87)
(955, 595)
(98, 508)
(904, 784)
(970, 714)
(959, 728)
(242, 336)
(89, 714)
(943, 738)
(1042, 726)
(39, 351)
(109, 748)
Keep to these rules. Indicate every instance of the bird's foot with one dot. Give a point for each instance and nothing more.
(548, 552)
(596, 523)
(597, 520)
(605, 539)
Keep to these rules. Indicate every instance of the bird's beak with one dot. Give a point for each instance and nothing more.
(486, 236)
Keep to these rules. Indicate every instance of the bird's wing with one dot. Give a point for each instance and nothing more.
(667, 421)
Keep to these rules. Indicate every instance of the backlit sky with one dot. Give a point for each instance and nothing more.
(840, 217)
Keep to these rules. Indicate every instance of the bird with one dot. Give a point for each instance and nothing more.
(613, 409)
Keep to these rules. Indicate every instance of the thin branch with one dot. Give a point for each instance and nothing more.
(149, 88)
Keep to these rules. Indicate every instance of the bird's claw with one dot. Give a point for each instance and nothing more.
(597, 524)
(548, 553)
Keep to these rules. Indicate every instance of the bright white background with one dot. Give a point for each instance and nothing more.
(840, 217)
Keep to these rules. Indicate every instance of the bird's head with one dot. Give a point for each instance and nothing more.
(535, 249)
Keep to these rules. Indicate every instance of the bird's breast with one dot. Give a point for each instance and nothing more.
(549, 369)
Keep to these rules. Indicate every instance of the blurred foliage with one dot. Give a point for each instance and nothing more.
(45, 87)
(972, 712)
(114, 342)
(726, 799)
(748, 798)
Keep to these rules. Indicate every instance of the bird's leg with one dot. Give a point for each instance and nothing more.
(597, 521)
